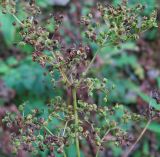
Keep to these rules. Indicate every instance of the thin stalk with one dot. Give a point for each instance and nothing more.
(93, 59)
(64, 76)
(88, 68)
(90, 64)
(62, 72)
(17, 19)
(74, 92)
(48, 130)
(64, 154)
(97, 154)
(64, 128)
(138, 139)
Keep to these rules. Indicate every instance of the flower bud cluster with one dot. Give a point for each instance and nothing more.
(120, 24)
(11, 6)
(72, 57)
(8, 6)
(78, 119)
(32, 135)
(98, 85)
(105, 114)
(32, 128)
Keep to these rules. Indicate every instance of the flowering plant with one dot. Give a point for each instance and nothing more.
(77, 118)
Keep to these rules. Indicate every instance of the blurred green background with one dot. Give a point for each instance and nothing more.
(134, 69)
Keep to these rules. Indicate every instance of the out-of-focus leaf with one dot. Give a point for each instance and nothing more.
(7, 28)
(146, 148)
(28, 78)
(42, 3)
(138, 154)
(3, 68)
(11, 61)
(152, 102)
(126, 59)
(117, 151)
(72, 150)
(50, 26)
(151, 35)
(28, 49)
(149, 4)
(155, 127)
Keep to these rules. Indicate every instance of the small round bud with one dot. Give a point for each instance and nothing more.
(113, 124)
(105, 99)
(80, 129)
(29, 117)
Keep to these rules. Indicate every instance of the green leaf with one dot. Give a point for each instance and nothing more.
(42, 3)
(154, 127)
(71, 151)
(146, 148)
(11, 61)
(8, 30)
(152, 102)
(4, 68)
(150, 5)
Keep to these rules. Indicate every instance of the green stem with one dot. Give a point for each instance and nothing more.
(93, 59)
(62, 72)
(17, 19)
(138, 139)
(48, 130)
(64, 154)
(74, 92)
(89, 66)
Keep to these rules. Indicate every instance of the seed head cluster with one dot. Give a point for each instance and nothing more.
(114, 25)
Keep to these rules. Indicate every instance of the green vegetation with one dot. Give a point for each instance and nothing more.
(80, 86)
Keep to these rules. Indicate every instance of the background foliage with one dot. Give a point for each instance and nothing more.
(134, 69)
